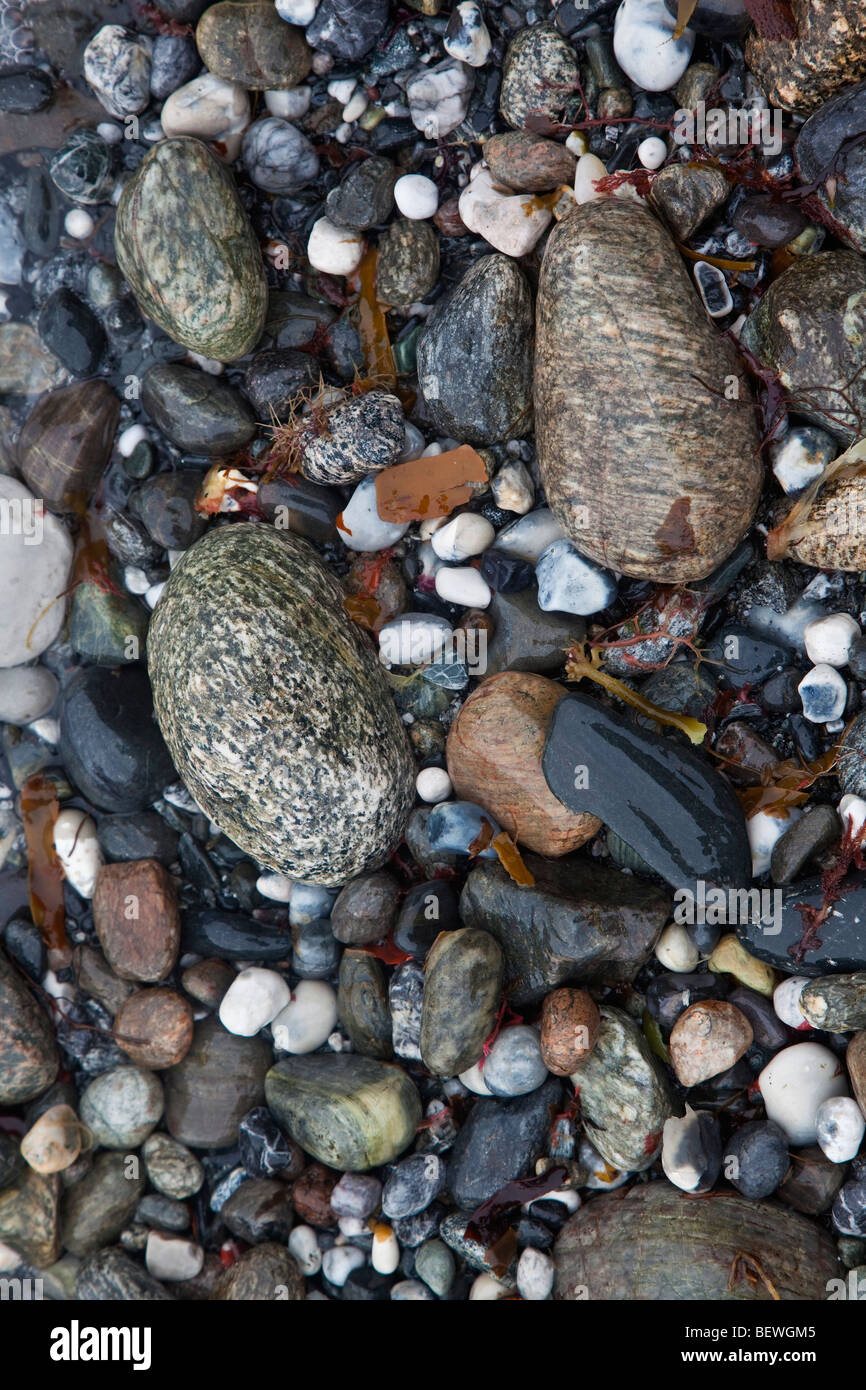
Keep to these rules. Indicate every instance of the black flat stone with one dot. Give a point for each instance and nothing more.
(842, 935)
(662, 798)
(233, 936)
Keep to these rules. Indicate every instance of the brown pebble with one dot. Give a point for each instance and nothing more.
(528, 163)
(569, 1028)
(207, 981)
(311, 1196)
(137, 920)
(448, 220)
(494, 760)
(154, 1027)
(708, 1039)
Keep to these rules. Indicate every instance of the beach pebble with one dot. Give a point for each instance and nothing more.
(279, 158)
(307, 1020)
(413, 639)
(823, 694)
(171, 1259)
(274, 886)
(840, 1126)
(675, 949)
(652, 152)
(26, 693)
(252, 1000)
(764, 832)
(510, 222)
(360, 525)
(691, 1151)
(335, 251)
(829, 640)
(438, 97)
(210, 108)
(339, 1262)
(644, 45)
(801, 456)
(756, 1159)
(795, 1084)
(117, 66)
(416, 197)
(291, 105)
(569, 583)
(467, 37)
(708, 1038)
(385, 1255)
(514, 1065)
(35, 560)
(462, 537)
(433, 784)
(530, 536)
(455, 825)
(304, 1247)
(786, 1001)
(79, 224)
(713, 289)
(535, 1274)
(300, 12)
(589, 170)
(464, 586)
(356, 1194)
(78, 850)
(486, 1289)
(513, 489)
(852, 810)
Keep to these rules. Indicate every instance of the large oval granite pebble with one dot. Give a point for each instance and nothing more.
(185, 244)
(275, 708)
(668, 803)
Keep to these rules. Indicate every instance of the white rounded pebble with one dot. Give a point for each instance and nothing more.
(252, 1000)
(852, 810)
(350, 1226)
(465, 586)
(154, 594)
(301, 12)
(763, 831)
(823, 694)
(172, 1259)
(570, 583)
(462, 537)
(360, 525)
(291, 105)
(341, 89)
(334, 250)
(416, 197)
(589, 170)
(135, 580)
(35, 563)
(529, 537)
(795, 1084)
(26, 693)
(840, 1126)
(486, 1289)
(78, 850)
(339, 1261)
(473, 1080)
(304, 1247)
(46, 729)
(277, 887)
(411, 1291)
(644, 45)
(511, 222)
(307, 1020)
(801, 457)
(535, 1274)
(109, 132)
(576, 143)
(385, 1256)
(652, 152)
(209, 108)
(355, 108)
(786, 1000)
(413, 639)
(129, 440)
(433, 784)
(79, 224)
(675, 949)
(829, 640)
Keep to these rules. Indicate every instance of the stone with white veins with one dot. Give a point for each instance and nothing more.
(117, 67)
(829, 640)
(511, 222)
(291, 104)
(307, 1020)
(467, 36)
(26, 693)
(644, 45)
(334, 250)
(210, 108)
(77, 848)
(416, 197)
(802, 456)
(277, 156)
(252, 1000)
(823, 693)
(786, 1000)
(35, 563)
(172, 1259)
(413, 639)
(464, 586)
(359, 523)
(794, 1086)
(304, 1247)
(529, 537)
(462, 537)
(535, 1274)
(569, 583)
(840, 1125)
(439, 97)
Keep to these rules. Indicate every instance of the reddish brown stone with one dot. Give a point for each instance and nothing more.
(154, 1027)
(448, 220)
(137, 920)
(708, 1039)
(528, 163)
(207, 981)
(311, 1196)
(569, 1029)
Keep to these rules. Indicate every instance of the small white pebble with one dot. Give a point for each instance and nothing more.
(78, 850)
(46, 729)
(207, 364)
(129, 440)
(109, 132)
(763, 831)
(416, 197)
(535, 1274)
(840, 1126)
(652, 152)
(852, 810)
(172, 1259)
(334, 250)
(830, 639)
(79, 224)
(351, 1226)
(486, 1289)
(252, 1000)
(385, 1256)
(433, 784)
(823, 693)
(786, 1000)
(277, 887)
(354, 109)
(304, 1246)
(464, 536)
(154, 594)
(576, 143)
(465, 586)
(341, 89)
(589, 170)
(339, 1261)
(675, 949)
(291, 104)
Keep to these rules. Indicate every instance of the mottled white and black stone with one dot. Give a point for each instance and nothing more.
(275, 707)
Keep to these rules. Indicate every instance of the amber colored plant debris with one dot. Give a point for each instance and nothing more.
(432, 487)
(749, 1267)
(372, 324)
(39, 811)
(578, 665)
(784, 785)
(509, 858)
(685, 10)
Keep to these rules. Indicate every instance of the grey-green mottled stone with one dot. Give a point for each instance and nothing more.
(623, 1094)
(363, 1004)
(538, 76)
(122, 1106)
(186, 247)
(462, 990)
(352, 1113)
(436, 1265)
(28, 1053)
(98, 1207)
(836, 1003)
(408, 264)
(275, 708)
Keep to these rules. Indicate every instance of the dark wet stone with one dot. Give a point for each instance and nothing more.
(767, 220)
(293, 319)
(686, 195)
(264, 1149)
(718, 19)
(198, 412)
(475, 355)
(364, 910)
(109, 741)
(412, 1185)
(669, 995)
(428, 909)
(98, 1207)
(812, 1182)
(756, 1158)
(578, 922)
(24, 90)
(233, 936)
(412, 1231)
(260, 1210)
(819, 155)
(499, 1142)
(262, 1274)
(768, 1029)
(453, 1232)
(462, 992)
(842, 936)
(111, 1276)
(527, 639)
(852, 758)
(364, 196)
(162, 1213)
(70, 329)
(23, 942)
(779, 692)
(66, 442)
(276, 378)
(219, 1080)
(408, 265)
(165, 505)
(506, 574)
(28, 1054)
(174, 61)
(297, 505)
(142, 836)
(128, 541)
(679, 815)
(348, 28)
(740, 657)
(40, 223)
(539, 75)
(11, 1163)
(250, 44)
(107, 628)
(363, 1004)
(816, 831)
(84, 168)
(315, 950)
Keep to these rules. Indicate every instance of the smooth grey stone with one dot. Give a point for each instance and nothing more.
(499, 1142)
(277, 156)
(527, 639)
(198, 412)
(98, 1207)
(412, 1185)
(514, 1065)
(364, 197)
